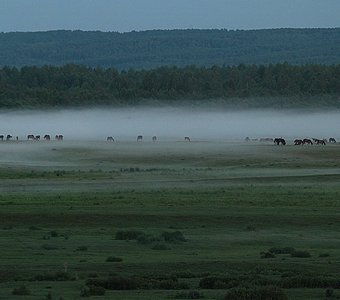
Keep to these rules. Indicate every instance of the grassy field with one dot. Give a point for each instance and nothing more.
(168, 220)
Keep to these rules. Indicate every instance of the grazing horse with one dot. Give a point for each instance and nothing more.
(8, 137)
(47, 137)
(298, 142)
(319, 142)
(279, 141)
(307, 142)
(30, 137)
(247, 139)
(154, 138)
(37, 138)
(59, 137)
(139, 138)
(2, 137)
(110, 139)
(186, 138)
(332, 140)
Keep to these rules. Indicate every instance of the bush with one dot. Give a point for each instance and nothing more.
(82, 248)
(114, 259)
(128, 235)
(310, 282)
(175, 236)
(282, 250)
(58, 276)
(21, 291)
(324, 255)
(258, 293)
(300, 254)
(145, 239)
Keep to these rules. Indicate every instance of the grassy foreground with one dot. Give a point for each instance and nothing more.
(170, 220)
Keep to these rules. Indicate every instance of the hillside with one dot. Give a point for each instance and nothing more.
(151, 49)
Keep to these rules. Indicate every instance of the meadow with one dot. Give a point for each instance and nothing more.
(211, 219)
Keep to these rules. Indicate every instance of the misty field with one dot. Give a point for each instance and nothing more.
(169, 220)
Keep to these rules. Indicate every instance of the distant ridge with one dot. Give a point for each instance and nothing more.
(150, 49)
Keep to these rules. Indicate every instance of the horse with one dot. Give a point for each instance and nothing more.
(279, 141)
(298, 142)
(8, 137)
(59, 137)
(30, 137)
(47, 137)
(186, 138)
(139, 138)
(110, 139)
(307, 141)
(2, 137)
(247, 139)
(37, 138)
(154, 138)
(332, 140)
(319, 142)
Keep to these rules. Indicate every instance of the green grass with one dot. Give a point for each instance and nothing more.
(231, 201)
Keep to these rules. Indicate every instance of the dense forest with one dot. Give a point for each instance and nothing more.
(75, 85)
(151, 49)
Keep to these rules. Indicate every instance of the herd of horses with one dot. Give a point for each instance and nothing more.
(297, 142)
(32, 137)
(140, 138)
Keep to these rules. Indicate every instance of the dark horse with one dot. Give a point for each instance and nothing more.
(37, 138)
(139, 138)
(47, 137)
(2, 137)
(59, 137)
(332, 140)
(279, 141)
(110, 139)
(186, 138)
(154, 138)
(30, 137)
(319, 142)
(307, 142)
(8, 137)
(298, 142)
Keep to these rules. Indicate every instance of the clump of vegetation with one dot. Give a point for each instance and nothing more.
(54, 233)
(302, 281)
(48, 247)
(114, 259)
(21, 291)
(175, 236)
(145, 239)
(250, 228)
(324, 255)
(300, 254)
(257, 293)
(33, 227)
(92, 290)
(128, 234)
(329, 293)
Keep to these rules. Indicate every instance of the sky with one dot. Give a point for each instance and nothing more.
(128, 15)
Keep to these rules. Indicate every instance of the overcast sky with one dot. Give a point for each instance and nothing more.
(128, 15)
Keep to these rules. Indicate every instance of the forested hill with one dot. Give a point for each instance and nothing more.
(240, 86)
(150, 49)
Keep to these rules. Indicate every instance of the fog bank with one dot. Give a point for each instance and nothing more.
(169, 123)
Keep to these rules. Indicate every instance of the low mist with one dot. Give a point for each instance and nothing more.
(169, 123)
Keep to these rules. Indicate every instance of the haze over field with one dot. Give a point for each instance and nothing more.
(169, 123)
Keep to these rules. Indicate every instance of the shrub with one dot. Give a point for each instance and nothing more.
(114, 259)
(58, 276)
(21, 291)
(128, 235)
(324, 255)
(310, 282)
(282, 250)
(257, 293)
(145, 239)
(175, 236)
(300, 254)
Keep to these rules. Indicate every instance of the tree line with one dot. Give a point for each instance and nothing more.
(76, 85)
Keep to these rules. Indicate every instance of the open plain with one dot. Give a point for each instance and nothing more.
(168, 220)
